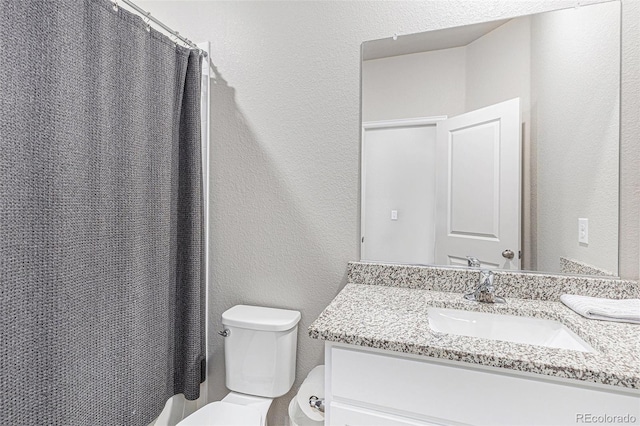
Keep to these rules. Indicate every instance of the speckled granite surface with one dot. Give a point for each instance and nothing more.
(572, 266)
(508, 284)
(395, 318)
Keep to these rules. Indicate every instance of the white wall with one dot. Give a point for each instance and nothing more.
(629, 252)
(498, 66)
(417, 85)
(285, 144)
(575, 69)
(450, 81)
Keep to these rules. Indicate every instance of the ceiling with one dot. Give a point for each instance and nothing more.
(427, 41)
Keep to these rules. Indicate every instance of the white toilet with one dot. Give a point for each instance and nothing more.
(260, 357)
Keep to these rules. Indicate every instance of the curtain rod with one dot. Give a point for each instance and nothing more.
(148, 16)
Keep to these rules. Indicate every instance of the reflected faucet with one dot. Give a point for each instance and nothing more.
(485, 292)
(473, 262)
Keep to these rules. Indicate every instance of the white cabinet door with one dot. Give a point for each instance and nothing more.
(478, 156)
(346, 415)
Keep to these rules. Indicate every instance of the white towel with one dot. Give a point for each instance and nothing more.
(623, 310)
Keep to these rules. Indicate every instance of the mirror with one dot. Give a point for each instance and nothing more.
(497, 141)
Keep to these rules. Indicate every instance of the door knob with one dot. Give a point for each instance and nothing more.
(507, 254)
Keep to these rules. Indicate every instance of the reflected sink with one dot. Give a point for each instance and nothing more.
(510, 328)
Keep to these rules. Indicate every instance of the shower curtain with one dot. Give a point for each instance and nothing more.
(101, 295)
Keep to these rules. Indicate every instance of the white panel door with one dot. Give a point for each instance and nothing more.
(398, 191)
(478, 186)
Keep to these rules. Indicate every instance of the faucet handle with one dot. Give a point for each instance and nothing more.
(485, 292)
(486, 277)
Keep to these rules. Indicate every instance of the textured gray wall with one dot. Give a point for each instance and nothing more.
(285, 144)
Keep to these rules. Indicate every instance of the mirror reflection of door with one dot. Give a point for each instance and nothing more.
(478, 163)
(439, 193)
(399, 191)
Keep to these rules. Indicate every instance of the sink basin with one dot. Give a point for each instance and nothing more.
(510, 328)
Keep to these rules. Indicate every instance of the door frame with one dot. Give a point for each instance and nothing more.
(384, 124)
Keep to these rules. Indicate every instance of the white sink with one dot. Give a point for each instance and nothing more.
(511, 328)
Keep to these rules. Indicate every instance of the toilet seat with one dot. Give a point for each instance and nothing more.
(222, 413)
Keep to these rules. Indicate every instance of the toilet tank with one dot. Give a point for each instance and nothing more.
(260, 350)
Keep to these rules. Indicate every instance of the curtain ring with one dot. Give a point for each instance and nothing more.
(147, 21)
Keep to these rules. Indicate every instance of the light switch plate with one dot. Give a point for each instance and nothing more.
(394, 214)
(583, 231)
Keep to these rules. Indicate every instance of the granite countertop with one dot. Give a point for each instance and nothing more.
(395, 319)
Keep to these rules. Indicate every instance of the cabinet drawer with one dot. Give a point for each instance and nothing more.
(345, 415)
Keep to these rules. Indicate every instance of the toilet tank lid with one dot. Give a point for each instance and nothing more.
(260, 318)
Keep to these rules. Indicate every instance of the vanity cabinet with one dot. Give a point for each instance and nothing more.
(370, 387)
(350, 415)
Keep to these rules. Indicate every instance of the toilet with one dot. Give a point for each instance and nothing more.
(260, 365)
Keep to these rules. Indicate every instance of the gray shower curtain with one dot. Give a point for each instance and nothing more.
(101, 295)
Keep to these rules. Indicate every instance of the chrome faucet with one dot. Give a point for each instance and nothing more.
(473, 262)
(485, 292)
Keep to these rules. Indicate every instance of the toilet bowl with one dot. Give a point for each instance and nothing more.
(235, 409)
(260, 358)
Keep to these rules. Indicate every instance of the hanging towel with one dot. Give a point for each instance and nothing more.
(623, 310)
